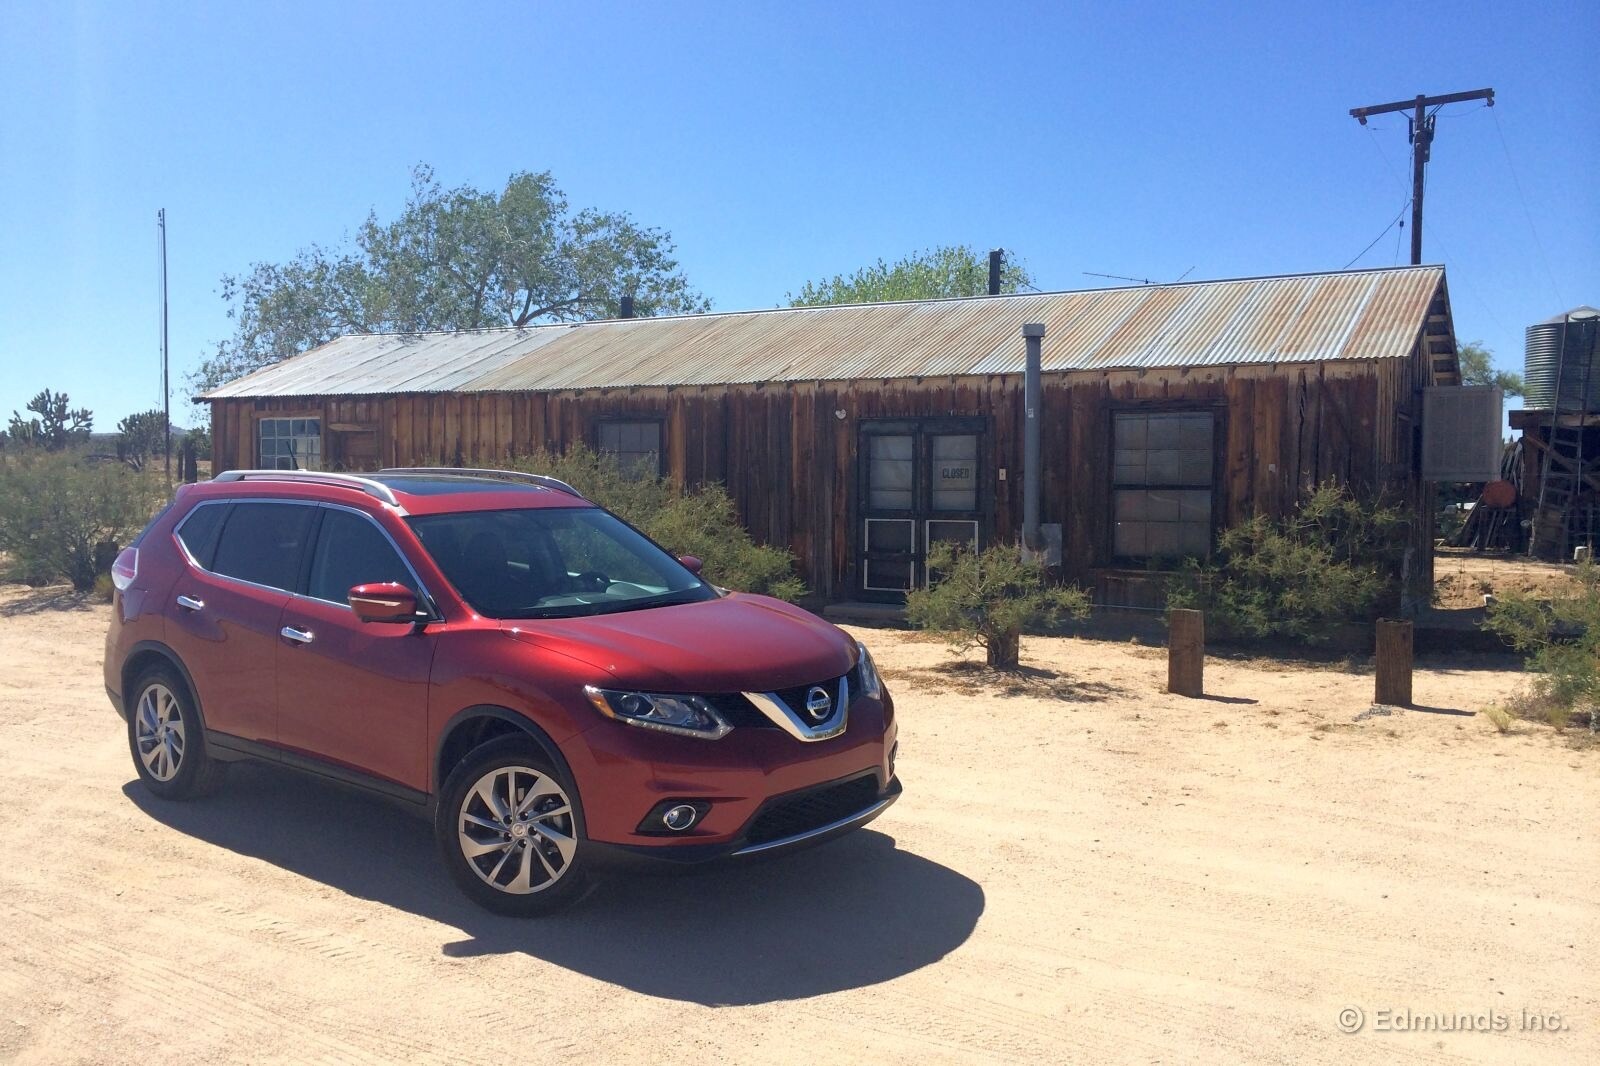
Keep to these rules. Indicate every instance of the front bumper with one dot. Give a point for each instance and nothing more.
(757, 839)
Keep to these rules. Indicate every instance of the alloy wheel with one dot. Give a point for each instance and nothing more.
(159, 732)
(516, 830)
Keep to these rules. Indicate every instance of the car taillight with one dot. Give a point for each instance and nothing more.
(125, 569)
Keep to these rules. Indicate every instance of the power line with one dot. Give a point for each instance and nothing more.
(1422, 129)
(1398, 216)
(1516, 182)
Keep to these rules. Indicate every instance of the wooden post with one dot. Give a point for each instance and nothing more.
(1393, 687)
(1186, 652)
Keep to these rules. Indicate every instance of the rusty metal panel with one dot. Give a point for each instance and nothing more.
(1363, 314)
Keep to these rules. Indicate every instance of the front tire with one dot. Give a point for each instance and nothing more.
(167, 739)
(510, 830)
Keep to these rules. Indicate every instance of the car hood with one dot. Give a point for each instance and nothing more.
(736, 643)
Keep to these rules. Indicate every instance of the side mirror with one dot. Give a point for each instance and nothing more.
(384, 601)
(690, 563)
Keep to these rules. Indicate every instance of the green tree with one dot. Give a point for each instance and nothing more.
(986, 599)
(143, 437)
(1477, 368)
(461, 258)
(951, 270)
(58, 425)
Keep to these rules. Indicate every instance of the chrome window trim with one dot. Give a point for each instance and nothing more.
(309, 504)
(434, 614)
(426, 597)
(784, 717)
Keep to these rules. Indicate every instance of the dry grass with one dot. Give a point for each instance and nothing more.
(1499, 717)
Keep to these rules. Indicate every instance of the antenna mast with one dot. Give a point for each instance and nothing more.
(166, 391)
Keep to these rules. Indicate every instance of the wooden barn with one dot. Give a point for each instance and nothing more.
(858, 435)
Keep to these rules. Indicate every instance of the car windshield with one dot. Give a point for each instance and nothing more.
(554, 562)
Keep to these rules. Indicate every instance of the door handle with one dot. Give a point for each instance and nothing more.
(189, 603)
(299, 636)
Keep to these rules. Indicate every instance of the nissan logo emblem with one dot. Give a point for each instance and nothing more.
(818, 703)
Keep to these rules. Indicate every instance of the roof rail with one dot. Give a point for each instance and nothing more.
(542, 480)
(376, 489)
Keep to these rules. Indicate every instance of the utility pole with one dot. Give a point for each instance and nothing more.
(1421, 144)
(166, 391)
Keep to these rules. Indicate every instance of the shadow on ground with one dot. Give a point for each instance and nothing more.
(974, 678)
(848, 914)
(36, 601)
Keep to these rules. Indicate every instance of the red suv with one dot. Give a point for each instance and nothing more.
(492, 649)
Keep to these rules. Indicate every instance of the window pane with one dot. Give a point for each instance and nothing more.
(261, 542)
(891, 536)
(1162, 448)
(1156, 523)
(199, 531)
(888, 574)
(890, 472)
(955, 472)
(965, 533)
(890, 447)
(352, 551)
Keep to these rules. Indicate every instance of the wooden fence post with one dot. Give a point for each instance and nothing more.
(1393, 686)
(1186, 652)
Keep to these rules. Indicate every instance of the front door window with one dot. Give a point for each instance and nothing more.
(920, 486)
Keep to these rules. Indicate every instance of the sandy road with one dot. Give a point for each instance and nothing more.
(1087, 870)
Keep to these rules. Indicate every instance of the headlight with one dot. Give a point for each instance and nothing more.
(871, 686)
(688, 716)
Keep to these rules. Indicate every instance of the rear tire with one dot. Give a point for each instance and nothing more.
(168, 740)
(510, 830)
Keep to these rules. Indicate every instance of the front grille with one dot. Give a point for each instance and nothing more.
(739, 711)
(796, 697)
(801, 812)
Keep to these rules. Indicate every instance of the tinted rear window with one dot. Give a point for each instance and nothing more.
(199, 531)
(263, 542)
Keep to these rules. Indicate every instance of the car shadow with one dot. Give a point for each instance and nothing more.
(850, 913)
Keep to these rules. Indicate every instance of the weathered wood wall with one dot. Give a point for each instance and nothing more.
(788, 459)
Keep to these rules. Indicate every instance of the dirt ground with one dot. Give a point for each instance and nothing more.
(1083, 869)
(1462, 580)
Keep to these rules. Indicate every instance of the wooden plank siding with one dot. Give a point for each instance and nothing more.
(788, 458)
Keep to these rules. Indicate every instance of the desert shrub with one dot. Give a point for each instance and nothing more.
(1561, 638)
(702, 522)
(1335, 560)
(61, 517)
(987, 599)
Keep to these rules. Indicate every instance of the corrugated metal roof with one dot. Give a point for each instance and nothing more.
(1362, 314)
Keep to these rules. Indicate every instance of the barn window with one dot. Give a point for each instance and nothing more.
(289, 443)
(636, 445)
(1161, 484)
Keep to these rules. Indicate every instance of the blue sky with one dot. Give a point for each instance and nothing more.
(778, 142)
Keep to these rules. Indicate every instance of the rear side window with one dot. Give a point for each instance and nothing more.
(352, 551)
(199, 531)
(263, 543)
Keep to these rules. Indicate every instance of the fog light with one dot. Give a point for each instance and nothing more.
(680, 817)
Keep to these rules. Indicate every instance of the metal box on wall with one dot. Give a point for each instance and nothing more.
(1462, 433)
